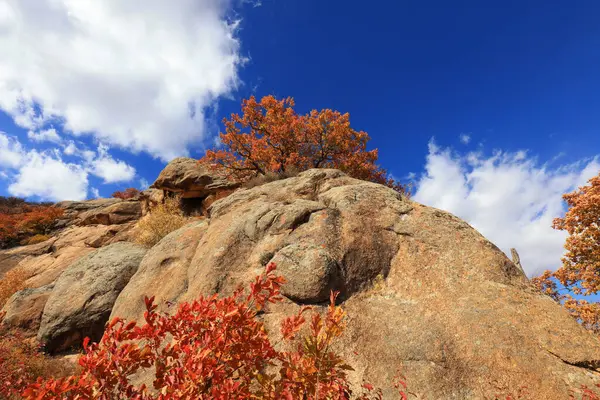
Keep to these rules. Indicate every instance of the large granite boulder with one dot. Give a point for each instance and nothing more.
(23, 310)
(190, 179)
(162, 271)
(84, 294)
(44, 262)
(423, 290)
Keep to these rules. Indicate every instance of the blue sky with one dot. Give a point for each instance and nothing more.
(489, 108)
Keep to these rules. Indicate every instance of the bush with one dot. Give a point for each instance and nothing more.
(126, 194)
(213, 348)
(20, 220)
(35, 239)
(11, 283)
(21, 363)
(160, 221)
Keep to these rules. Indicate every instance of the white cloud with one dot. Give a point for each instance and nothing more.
(509, 197)
(45, 175)
(70, 149)
(136, 74)
(11, 151)
(464, 138)
(144, 184)
(44, 135)
(95, 193)
(111, 170)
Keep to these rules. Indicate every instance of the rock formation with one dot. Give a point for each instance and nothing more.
(423, 290)
(44, 262)
(197, 185)
(190, 179)
(83, 296)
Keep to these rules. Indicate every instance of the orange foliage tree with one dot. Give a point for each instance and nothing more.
(270, 137)
(212, 348)
(580, 270)
(19, 219)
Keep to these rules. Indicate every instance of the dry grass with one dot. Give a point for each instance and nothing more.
(162, 220)
(34, 239)
(12, 282)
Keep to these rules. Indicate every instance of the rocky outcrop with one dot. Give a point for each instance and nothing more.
(191, 180)
(423, 290)
(83, 296)
(24, 309)
(9, 258)
(162, 272)
(65, 248)
(72, 209)
(150, 198)
(114, 214)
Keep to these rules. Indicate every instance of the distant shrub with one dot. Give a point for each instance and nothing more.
(12, 282)
(160, 221)
(126, 194)
(20, 220)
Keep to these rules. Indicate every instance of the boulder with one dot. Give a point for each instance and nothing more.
(76, 207)
(162, 273)
(72, 209)
(67, 247)
(114, 214)
(423, 290)
(190, 179)
(9, 258)
(84, 294)
(24, 309)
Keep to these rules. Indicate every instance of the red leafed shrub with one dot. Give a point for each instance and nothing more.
(22, 362)
(20, 220)
(212, 348)
(126, 194)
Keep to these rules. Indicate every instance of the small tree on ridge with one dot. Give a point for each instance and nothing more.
(270, 137)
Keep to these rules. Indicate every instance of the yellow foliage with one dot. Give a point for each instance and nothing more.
(12, 282)
(35, 239)
(159, 222)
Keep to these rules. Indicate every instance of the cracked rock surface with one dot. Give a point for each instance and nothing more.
(423, 290)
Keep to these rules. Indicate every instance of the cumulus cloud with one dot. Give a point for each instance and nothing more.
(111, 170)
(47, 176)
(135, 74)
(95, 193)
(44, 135)
(70, 149)
(464, 138)
(11, 151)
(509, 197)
(143, 184)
